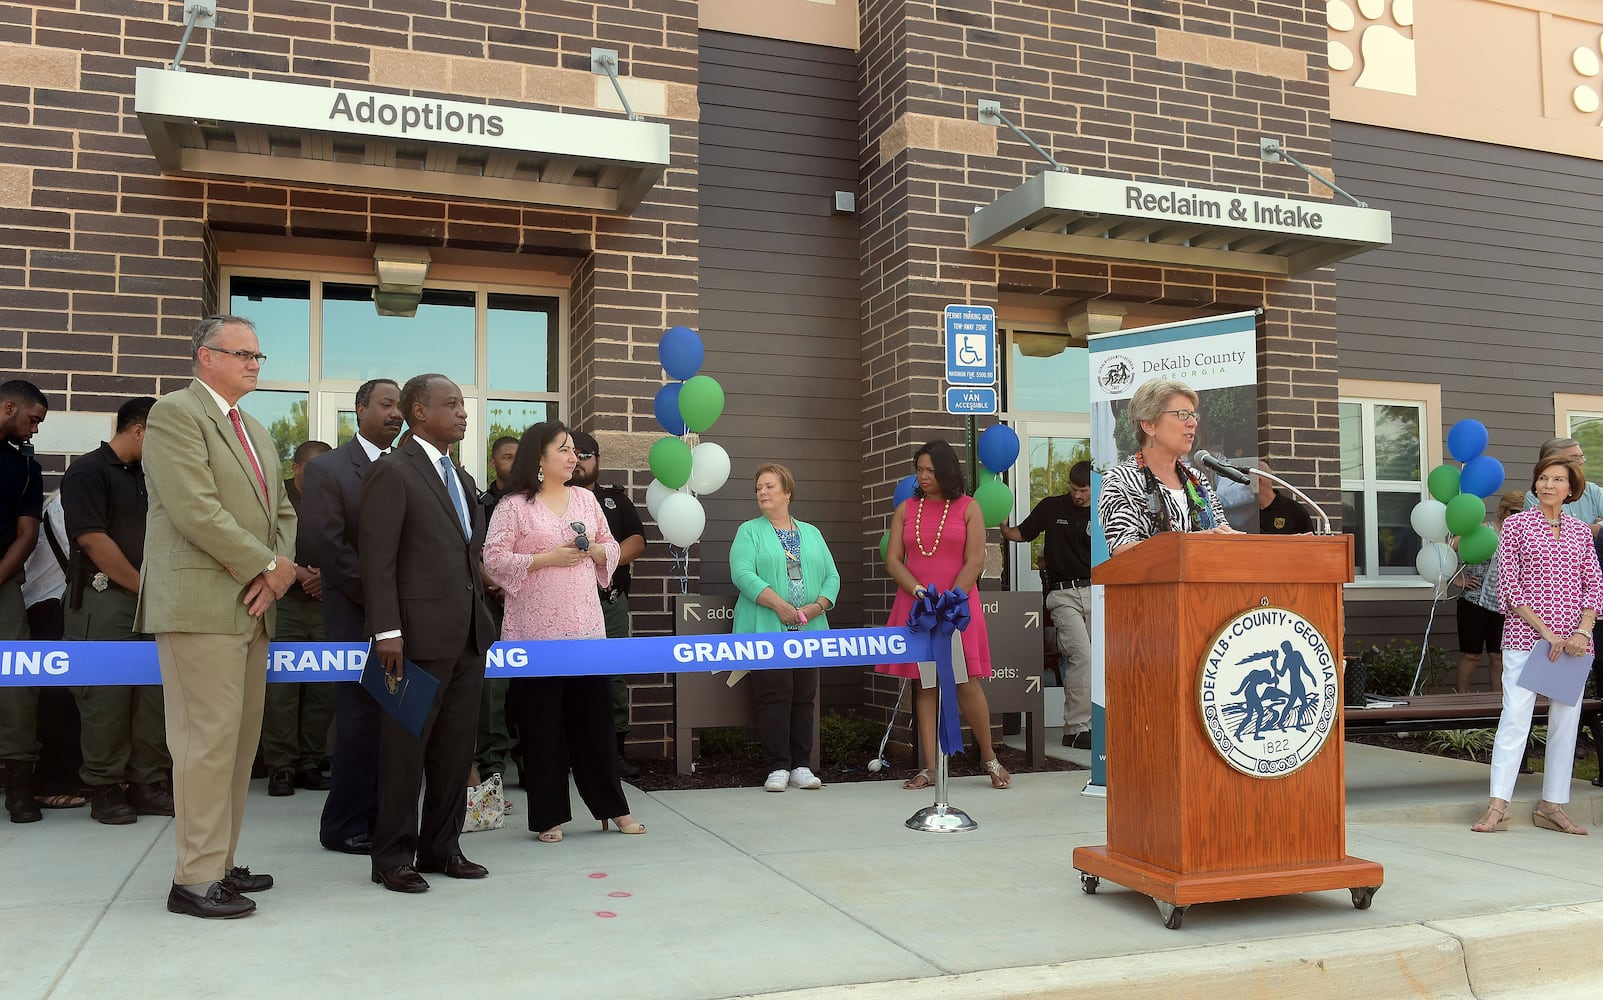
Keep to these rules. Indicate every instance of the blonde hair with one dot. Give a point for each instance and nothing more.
(1147, 403)
(1511, 502)
(787, 482)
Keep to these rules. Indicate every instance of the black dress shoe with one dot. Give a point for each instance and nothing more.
(456, 866)
(219, 903)
(155, 799)
(311, 779)
(110, 806)
(20, 803)
(281, 782)
(1079, 741)
(401, 878)
(241, 880)
(359, 843)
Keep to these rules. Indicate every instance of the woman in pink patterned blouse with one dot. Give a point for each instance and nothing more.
(1549, 589)
(548, 549)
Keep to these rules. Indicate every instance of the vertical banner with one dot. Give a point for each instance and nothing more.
(1217, 357)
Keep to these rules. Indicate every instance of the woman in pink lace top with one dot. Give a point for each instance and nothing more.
(549, 550)
(1549, 588)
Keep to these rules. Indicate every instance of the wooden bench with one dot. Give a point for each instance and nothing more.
(1476, 710)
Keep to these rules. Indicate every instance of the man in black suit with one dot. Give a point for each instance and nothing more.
(331, 493)
(419, 547)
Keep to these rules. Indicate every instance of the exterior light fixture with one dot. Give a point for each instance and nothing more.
(401, 272)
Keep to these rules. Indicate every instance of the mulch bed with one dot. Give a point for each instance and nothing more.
(747, 770)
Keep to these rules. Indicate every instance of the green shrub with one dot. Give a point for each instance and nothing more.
(724, 741)
(847, 740)
(1390, 669)
(1473, 743)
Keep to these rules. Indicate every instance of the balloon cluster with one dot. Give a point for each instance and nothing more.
(998, 449)
(1456, 505)
(689, 403)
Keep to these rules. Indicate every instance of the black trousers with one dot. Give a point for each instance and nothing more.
(351, 808)
(435, 763)
(784, 703)
(566, 722)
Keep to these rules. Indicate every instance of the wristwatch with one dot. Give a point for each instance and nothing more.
(271, 566)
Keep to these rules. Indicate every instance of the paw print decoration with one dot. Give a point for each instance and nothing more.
(1588, 96)
(1377, 38)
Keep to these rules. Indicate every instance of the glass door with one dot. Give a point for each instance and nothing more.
(1048, 449)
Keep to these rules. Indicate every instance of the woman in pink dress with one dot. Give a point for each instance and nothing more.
(549, 550)
(937, 540)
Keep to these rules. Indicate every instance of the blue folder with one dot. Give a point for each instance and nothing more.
(409, 699)
(1563, 680)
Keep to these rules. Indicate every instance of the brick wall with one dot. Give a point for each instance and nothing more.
(1159, 90)
(105, 265)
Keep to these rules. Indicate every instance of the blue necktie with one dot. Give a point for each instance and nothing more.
(455, 489)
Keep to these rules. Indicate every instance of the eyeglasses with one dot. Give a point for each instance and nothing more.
(1186, 416)
(243, 355)
(584, 456)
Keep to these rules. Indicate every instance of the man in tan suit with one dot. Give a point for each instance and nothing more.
(218, 543)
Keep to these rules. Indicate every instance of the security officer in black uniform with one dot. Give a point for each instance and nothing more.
(22, 501)
(623, 520)
(493, 744)
(123, 730)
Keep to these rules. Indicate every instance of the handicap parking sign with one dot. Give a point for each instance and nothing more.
(970, 345)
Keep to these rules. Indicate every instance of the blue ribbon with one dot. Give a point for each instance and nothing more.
(940, 615)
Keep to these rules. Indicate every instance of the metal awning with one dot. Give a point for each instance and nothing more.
(1072, 215)
(215, 126)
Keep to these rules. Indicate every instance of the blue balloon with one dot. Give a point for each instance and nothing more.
(1482, 476)
(666, 406)
(1466, 440)
(998, 448)
(904, 490)
(681, 353)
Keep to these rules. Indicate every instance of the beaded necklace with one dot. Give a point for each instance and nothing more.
(1198, 509)
(918, 529)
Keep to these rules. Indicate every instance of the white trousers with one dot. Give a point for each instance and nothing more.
(1515, 725)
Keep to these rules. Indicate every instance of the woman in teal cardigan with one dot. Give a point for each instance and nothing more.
(787, 581)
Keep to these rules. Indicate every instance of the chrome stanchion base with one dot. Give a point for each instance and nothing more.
(941, 818)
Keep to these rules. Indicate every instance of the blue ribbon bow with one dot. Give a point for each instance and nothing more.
(942, 614)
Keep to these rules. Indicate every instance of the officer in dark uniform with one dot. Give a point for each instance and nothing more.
(1278, 514)
(493, 744)
(123, 729)
(296, 715)
(623, 520)
(22, 502)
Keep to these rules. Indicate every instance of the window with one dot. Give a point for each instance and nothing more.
(323, 338)
(1387, 434)
(1047, 373)
(1581, 417)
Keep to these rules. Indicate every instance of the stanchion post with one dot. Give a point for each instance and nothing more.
(942, 816)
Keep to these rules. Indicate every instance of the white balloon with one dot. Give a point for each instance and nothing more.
(681, 520)
(709, 467)
(1436, 562)
(656, 493)
(1429, 519)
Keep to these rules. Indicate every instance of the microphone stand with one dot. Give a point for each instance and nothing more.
(1324, 518)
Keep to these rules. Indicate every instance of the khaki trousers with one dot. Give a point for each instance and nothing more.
(214, 687)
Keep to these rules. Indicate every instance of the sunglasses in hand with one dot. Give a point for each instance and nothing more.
(581, 541)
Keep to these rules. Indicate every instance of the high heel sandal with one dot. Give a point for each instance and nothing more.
(634, 827)
(551, 836)
(1495, 819)
(920, 779)
(999, 776)
(1551, 816)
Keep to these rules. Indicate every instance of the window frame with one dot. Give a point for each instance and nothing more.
(1369, 392)
(1574, 404)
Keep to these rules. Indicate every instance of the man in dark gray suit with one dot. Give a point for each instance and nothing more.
(331, 494)
(420, 548)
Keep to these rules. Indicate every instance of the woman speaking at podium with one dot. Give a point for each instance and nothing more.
(1156, 489)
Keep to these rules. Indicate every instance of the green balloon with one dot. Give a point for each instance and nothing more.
(701, 403)
(1443, 482)
(984, 476)
(1465, 513)
(884, 545)
(670, 462)
(1479, 545)
(996, 502)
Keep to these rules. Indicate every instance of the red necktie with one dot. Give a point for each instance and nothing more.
(239, 428)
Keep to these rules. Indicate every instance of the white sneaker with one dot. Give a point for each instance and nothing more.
(802, 778)
(776, 781)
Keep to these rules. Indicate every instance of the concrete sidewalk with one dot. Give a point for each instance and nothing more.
(738, 892)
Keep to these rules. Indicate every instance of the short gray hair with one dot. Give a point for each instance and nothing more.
(1147, 403)
(209, 328)
(1552, 446)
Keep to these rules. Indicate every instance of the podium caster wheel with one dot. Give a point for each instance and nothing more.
(1171, 914)
(1363, 895)
(1089, 883)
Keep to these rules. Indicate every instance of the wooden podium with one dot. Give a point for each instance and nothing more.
(1184, 826)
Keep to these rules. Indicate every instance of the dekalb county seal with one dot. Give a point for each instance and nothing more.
(1266, 689)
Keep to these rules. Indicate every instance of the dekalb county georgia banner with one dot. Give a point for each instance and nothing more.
(1216, 356)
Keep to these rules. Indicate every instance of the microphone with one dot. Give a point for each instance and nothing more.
(1223, 467)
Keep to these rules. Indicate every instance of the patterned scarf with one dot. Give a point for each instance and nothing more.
(1198, 508)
